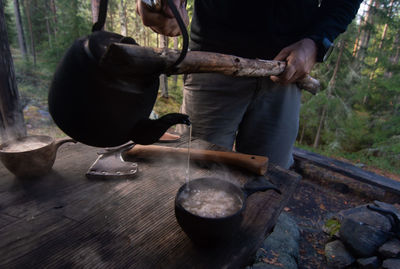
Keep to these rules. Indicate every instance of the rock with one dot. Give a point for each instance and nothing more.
(279, 260)
(287, 226)
(281, 247)
(394, 208)
(367, 216)
(391, 249)
(261, 265)
(391, 264)
(337, 256)
(363, 239)
(369, 263)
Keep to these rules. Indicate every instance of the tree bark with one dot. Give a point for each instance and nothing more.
(138, 60)
(11, 116)
(164, 78)
(20, 29)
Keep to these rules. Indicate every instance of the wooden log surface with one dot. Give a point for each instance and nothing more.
(64, 220)
(137, 60)
(347, 169)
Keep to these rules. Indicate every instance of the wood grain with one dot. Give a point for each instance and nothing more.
(76, 222)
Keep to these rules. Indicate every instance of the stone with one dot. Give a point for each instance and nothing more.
(281, 247)
(394, 208)
(367, 216)
(337, 256)
(288, 226)
(391, 264)
(369, 263)
(261, 265)
(362, 239)
(391, 249)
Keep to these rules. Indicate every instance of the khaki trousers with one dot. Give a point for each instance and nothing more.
(256, 115)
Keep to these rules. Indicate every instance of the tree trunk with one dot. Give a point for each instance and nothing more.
(385, 29)
(123, 18)
(95, 10)
(32, 38)
(175, 77)
(48, 32)
(365, 35)
(303, 130)
(20, 29)
(394, 58)
(164, 78)
(331, 86)
(11, 117)
(53, 9)
(321, 121)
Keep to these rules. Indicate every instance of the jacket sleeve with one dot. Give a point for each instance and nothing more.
(334, 17)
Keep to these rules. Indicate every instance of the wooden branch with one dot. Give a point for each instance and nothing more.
(136, 60)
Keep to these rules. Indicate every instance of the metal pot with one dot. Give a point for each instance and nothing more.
(31, 162)
(209, 231)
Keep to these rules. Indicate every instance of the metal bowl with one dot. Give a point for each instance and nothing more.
(208, 231)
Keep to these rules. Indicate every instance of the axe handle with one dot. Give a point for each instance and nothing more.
(253, 163)
(137, 60)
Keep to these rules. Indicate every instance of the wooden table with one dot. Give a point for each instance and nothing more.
(65, 220)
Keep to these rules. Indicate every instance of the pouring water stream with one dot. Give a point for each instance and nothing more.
(187, 178)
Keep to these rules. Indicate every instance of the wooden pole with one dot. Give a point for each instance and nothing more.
(136, 60)
(11, 117)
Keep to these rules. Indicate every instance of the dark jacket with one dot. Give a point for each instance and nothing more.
(261, 28)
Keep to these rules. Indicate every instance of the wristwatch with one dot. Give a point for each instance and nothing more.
(324, 47)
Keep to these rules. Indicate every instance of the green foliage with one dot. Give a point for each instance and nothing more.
(173, 102)
(332, 226)
(10, 23)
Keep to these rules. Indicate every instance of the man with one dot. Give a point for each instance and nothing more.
(259, 115)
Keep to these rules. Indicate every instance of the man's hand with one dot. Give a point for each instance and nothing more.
(300, 58)
(163, 22)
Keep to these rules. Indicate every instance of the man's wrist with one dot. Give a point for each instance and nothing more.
(324, 47)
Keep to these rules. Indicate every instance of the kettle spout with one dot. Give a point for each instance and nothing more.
(149, 131)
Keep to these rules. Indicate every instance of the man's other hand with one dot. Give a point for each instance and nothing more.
(163, 22)
(300, 58)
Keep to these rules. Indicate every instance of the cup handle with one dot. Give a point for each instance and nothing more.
(61, 141)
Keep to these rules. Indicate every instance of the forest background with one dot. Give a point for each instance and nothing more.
(356, 116)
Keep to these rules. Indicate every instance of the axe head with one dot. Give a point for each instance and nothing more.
(111, 165)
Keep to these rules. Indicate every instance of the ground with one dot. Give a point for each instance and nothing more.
(314, 202)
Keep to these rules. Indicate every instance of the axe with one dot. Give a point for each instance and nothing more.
(111, 163)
